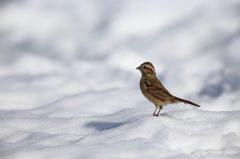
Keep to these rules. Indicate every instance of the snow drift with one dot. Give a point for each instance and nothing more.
(128, 133)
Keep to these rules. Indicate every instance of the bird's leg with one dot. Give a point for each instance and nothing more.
(154, 114)
(160, 108)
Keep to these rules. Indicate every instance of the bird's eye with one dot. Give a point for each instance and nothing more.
(144, 67)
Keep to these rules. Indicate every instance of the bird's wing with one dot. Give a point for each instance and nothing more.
(155, 88)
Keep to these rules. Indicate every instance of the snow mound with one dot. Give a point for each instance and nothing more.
(129, 133)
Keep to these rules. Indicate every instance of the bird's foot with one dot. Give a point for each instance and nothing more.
(155, 114)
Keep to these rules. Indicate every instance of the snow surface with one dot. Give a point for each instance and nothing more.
(69, 87)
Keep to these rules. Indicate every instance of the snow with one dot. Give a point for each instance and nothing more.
(128, 133)
(69, 87)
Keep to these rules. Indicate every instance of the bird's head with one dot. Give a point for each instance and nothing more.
(146, 69)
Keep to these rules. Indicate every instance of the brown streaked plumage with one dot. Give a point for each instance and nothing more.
(154, 91)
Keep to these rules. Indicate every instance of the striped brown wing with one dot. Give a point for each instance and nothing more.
(155, 88)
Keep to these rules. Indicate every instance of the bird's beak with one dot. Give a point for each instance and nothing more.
(138, 68)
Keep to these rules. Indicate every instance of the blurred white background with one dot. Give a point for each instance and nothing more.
(52, 49)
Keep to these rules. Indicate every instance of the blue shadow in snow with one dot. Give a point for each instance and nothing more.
(103, 125)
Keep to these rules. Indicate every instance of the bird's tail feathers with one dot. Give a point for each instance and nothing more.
(186, 101)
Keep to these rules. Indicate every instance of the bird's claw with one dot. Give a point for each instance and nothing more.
(155, 114)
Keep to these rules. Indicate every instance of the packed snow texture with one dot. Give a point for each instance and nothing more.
(69, 87)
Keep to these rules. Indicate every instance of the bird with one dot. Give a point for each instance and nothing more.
(154, 91)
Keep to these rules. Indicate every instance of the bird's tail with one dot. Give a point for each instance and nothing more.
(186, 101)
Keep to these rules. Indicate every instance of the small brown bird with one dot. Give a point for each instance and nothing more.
(154, 91)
